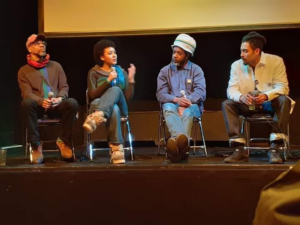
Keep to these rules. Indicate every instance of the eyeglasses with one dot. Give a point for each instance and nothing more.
(38, 43)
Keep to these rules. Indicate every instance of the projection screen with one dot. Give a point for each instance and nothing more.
(146, 17)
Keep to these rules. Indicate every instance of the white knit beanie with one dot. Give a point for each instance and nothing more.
(185, 42)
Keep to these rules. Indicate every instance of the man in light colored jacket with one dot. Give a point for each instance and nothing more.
(258, 84)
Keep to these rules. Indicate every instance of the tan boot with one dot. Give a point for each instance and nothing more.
(37, 155)
(93, 120)
(65, 150)
(117, 154)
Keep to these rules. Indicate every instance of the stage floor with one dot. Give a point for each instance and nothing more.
(145, 157)
(149, 190)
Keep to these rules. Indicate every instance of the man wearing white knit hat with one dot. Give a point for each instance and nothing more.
(181, 90)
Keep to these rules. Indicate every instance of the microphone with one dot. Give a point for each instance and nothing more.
(113, 69)
(183, 93)
(50, 96)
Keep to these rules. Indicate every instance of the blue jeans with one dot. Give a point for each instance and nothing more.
(113, 104)
(180, 125)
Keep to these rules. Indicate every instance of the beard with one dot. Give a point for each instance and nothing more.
(178, 64)
(41, 56)
(245, 62)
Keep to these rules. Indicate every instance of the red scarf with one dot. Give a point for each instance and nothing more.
(38, 65)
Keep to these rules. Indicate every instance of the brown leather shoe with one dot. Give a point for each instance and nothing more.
(65, 150)
(183, 145)
(172, 150)
(37, 155)
(239, 155)
(274, 157)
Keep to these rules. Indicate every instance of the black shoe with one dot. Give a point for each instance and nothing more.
(274, 157)
(183, 145)
(172, 151)
(239, 155)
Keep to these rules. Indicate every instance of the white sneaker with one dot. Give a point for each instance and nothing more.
(117, 154)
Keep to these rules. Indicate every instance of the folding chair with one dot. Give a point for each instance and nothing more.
(43, 123)
(260, 119)
(197, 122)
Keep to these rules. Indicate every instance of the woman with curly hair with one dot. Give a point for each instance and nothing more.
(109, 86)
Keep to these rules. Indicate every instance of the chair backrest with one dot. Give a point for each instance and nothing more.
(87, 98)
(88, 101)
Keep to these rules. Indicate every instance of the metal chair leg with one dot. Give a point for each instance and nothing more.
(285, 150)
(27, 144)
(91, 151)
(73, 150)
(124, 131)
(195, 137)
(288, 141)
(129, 139)
(203, 138)
(87, 144)
(30, 153)
(164, 133)
(243, 127)
(89, 147)
(247, 136)
(159, 134)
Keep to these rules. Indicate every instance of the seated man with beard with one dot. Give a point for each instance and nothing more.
(181, 90)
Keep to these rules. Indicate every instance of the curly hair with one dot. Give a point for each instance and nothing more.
(255, 40)
(99, 48)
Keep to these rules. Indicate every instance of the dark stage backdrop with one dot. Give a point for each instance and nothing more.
(214, 53)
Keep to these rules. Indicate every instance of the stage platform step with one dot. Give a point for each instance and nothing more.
(149, 190)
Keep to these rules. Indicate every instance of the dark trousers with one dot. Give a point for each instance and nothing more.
(278, 107)
(66, 110)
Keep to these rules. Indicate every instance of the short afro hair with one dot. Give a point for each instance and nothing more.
(255, 40)
(99, 48)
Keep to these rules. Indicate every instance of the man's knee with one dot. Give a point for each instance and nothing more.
(227, 103)
(115, 90)
(28, 103)
(283, 100)
(187, 113)
(71, 103)
(169, 107)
